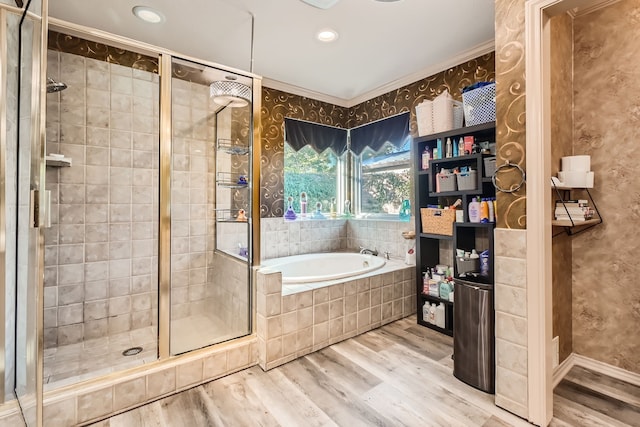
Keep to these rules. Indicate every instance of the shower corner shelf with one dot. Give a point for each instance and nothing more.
(232, 147)
(231, 215)
(58, 162)
(232, 180)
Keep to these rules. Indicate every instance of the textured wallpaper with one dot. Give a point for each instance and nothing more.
(606, 295)
(277, 105)
(510, 110)
(561, 145)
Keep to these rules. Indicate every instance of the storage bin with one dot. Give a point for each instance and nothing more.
(424, 117)
(466, 265)
(480, 105)
(467, 180)
(442, 114)
(447, 113)
(437, 221)
(447, 182)
(489, 166)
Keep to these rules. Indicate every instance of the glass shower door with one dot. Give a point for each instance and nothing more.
(31, 213)
(209, 287)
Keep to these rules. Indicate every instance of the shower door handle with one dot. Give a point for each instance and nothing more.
(46, 217)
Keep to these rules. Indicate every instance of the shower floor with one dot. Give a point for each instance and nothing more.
(89, 359)
(71, 363)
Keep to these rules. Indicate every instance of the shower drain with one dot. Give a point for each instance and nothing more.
(132, 351)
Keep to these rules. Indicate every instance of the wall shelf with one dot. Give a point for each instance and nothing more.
(57, 161)
(572, 227)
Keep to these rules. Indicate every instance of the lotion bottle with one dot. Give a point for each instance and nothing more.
(484, 211)
(426, 156)
(449, 149)
(474, 211)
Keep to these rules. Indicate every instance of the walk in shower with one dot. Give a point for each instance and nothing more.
(122, 181)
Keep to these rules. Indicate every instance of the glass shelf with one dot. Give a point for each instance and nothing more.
(232, 147)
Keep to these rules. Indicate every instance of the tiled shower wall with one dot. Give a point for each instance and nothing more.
(192, 199)
(100, 252)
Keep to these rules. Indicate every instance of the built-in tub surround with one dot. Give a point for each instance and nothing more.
(282, 238)
(290, 325)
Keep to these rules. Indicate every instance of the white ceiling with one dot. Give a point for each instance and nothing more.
(381, 45)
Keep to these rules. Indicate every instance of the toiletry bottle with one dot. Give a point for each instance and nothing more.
(303, 204)
(484, 262)
(474, 211)
(432, 313)
(426, 156)
(492, 217)
(439, 317)
(405, 211)
(484, 211)
(332, 208)
(425, 311)
(455, 149)
(449, 149)
(436, 153)
(495, 210)
(438, 181)
(290, 213)
(461, 147)
(439, 147)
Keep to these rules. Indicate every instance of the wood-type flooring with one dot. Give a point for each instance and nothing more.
(397, 375)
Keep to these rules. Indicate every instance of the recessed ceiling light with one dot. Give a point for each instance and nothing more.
(327, 35)
(147, 14)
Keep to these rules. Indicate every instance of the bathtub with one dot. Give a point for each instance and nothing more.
(323, 267)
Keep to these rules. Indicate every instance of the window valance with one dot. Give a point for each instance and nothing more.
(299, 133)
(374, 135)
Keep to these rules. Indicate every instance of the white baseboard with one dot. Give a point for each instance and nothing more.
(606, 369)
(563, 369)
(603, 368)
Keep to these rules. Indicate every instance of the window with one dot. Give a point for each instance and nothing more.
(373, 172)
(314, 173)
(385, 179)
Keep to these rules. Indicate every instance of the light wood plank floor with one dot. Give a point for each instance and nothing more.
(397, 375)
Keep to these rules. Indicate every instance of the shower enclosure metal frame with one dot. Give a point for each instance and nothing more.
(35, 344)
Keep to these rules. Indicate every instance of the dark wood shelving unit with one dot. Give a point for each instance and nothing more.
(465, 234)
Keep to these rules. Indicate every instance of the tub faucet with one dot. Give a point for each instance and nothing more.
(373, 252)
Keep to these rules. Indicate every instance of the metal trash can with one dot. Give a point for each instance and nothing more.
(473, 334)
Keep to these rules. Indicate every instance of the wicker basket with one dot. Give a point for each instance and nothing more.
(438, 221)
(467, 180)
(480, 105)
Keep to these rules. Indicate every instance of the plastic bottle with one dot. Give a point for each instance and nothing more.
(474, 211)
(439, 317)
(492, 217)
(495, 210)
(438, 182)
(405, 211)
(439, 148)
(425, 311)
(332, 208)
(426, 156)
(484, 262)
(461, 147)
(432, 313)
(449, 149)
(484, 211)
(455, 149)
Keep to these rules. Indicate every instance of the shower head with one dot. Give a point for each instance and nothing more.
(54, 86)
